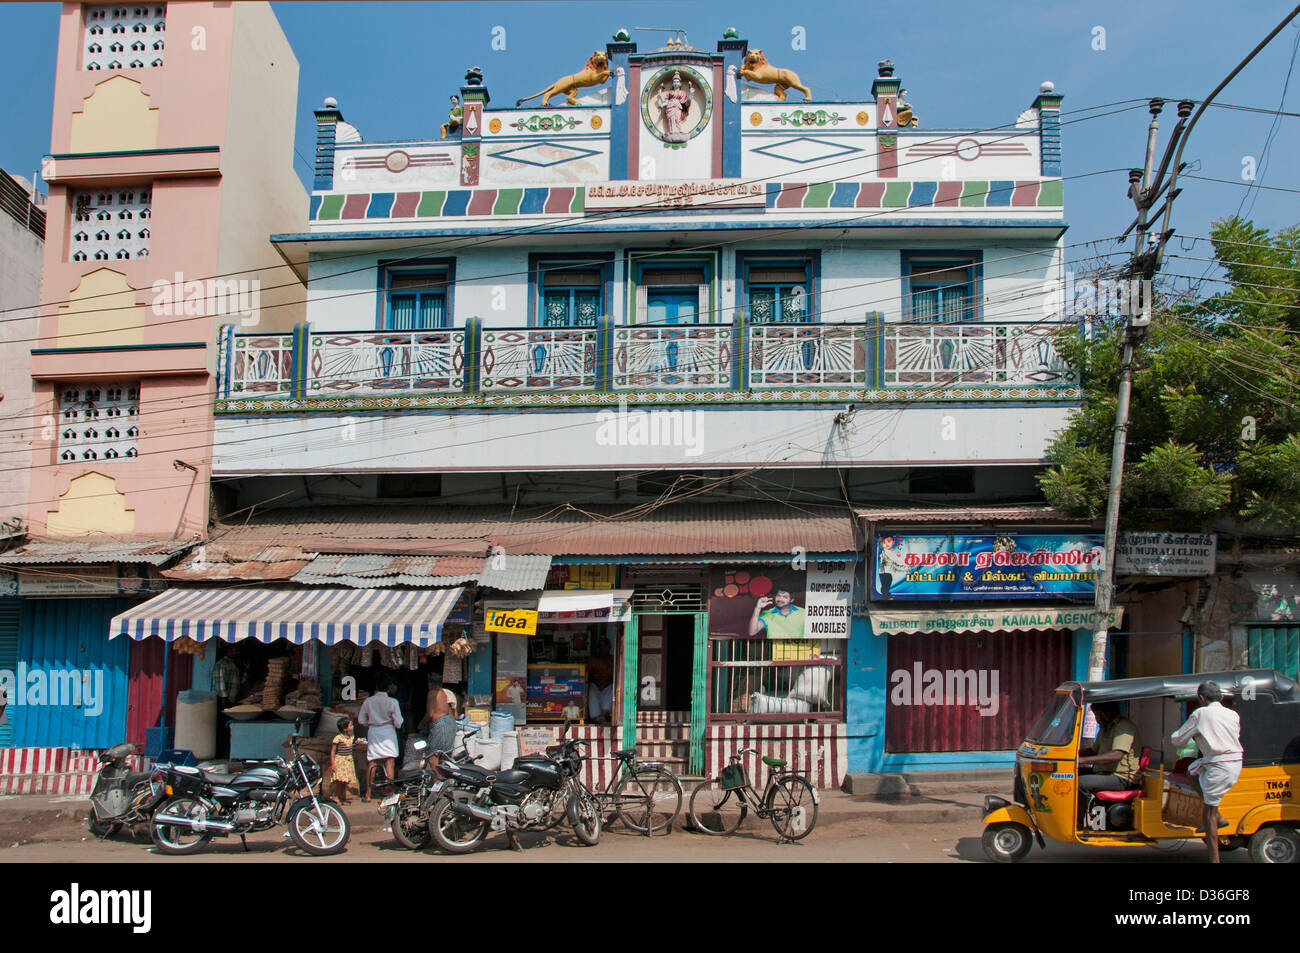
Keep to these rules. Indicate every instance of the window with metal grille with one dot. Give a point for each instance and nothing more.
(1274, 646)
(778, 294)
(572, 297)
(85, 410)
(137, 20)
(757, 680)
(417, 301)
(941, 289)
(126, 205)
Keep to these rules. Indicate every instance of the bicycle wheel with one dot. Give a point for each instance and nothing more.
(648, 799)
(792, 807)
(716, 810)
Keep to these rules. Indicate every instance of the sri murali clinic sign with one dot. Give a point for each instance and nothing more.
(1166, 554)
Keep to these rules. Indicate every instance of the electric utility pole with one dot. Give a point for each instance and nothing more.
(1146, 186)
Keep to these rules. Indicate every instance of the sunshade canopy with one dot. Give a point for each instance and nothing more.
(388, 616)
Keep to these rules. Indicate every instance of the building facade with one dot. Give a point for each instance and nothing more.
(170, 162)
(669, 330)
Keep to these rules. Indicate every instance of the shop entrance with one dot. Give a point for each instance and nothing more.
(666, 669)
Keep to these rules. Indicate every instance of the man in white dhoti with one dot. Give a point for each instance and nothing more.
(382, 716)
(1217, 731)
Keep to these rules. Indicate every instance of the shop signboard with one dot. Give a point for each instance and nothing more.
(1166, 554)
(88, 581)
(512, 674)
(556, 692)
(513, 621)
(594, 576)
(992, 566)
(462, 613)
(535, 740)
(1009, 619)
(782, 602)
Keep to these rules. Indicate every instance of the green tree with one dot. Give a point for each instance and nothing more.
(1214, 429)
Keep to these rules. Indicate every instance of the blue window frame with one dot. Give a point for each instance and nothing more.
(672, 295)
(941, 288)
(778, 292)
(572, 297)
(416, 301)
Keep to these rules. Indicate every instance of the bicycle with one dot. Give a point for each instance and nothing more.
(640, 794)
(789, 801)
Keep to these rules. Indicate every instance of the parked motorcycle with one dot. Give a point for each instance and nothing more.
(408, 799)
(201, 805)
(121, 797)
(534, 795)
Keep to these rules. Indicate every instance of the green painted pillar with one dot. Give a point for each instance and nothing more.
(699, 692)
(631, 684)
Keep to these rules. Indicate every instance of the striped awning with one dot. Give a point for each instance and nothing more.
(388, 616)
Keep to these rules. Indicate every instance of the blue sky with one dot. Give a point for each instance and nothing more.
(965, 65)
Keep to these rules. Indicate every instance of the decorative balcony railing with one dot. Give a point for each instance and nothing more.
(713, 362)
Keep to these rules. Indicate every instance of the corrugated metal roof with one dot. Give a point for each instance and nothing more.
(515, 573)
(83, 551)
(1024, 513)
(372, 571)
(596, 529)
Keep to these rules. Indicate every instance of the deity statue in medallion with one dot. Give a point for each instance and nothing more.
(675, 103)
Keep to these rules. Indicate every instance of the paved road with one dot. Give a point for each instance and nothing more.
(841, 835)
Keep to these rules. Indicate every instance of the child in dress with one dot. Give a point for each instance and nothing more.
(341, 765)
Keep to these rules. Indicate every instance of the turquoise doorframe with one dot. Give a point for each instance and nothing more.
(699, 683)
(631, 662)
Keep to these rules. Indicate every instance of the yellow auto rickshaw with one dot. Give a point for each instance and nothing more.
(1164, 804)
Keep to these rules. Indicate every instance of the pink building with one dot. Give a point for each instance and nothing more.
(171, 161)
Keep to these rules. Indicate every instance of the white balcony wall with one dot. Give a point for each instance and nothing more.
(582, 438)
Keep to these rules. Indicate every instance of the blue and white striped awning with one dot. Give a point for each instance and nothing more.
(388, 616)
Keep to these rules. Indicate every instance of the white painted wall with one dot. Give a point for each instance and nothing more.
(580, 438)
(857, 277)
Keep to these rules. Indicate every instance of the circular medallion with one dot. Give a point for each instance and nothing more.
(596, 122)
(863, 118)
(756, 119)
(676, 104)
(396, 161)
(968, 150)
(495, 125)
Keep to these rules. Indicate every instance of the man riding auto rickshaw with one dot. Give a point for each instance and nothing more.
(1064, 793)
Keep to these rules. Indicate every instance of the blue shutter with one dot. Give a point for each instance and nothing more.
(9, 614)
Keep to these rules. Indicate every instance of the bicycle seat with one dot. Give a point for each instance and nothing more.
(627, 754)
(773, 762)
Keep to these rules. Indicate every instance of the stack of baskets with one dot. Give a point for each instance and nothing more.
(273, 690)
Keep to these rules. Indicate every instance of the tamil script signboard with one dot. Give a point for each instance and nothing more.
(1010, 565)
(1166, 554)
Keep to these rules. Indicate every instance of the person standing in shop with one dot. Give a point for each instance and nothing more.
(440, 719)
(382, 716)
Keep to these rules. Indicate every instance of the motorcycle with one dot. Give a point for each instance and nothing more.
(121, 797)
(408, 798)
(535, 795)
(201, 805)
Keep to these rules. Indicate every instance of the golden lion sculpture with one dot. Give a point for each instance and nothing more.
(756, 69)
(596, 73)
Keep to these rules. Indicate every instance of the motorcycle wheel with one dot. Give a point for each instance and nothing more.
(174, 838)
(319, 834)
(455, 833)
(102, 829)
(410, 829)
(587, 822)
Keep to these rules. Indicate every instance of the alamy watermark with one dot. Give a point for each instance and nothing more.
(1125, 297)
(55, 687)
(210, 297)
(651, 428)
(932, 687)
